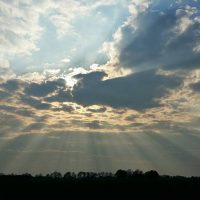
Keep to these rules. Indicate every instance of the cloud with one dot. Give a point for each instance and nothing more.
(4, 95)
(34, 127)
(22, 27)
(10, 124)
(64, 108)
(152, 37)
(21, 22)
(97, 110)
(94, 124)
(35, 103)
(8, 108)
(65, 13)
(89, 78)
(61, 96)
(11, 85)
(19, 29)
(25, 112)
(160, 37)
(131, 118)
(137, 91)
(196, 87)
(5, 70)
(44, 88)
(16, 110)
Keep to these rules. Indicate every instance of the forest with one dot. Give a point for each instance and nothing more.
(122, 183)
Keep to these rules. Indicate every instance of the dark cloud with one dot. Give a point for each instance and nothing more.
(18, 111)
(15, 110)
(4, 95)
(35, 103)
(157, 42)
(131, 118)
(25, 113)
(11, 85)
(138, 91)
(90, 77)
(61, 96)
(9, 124)
(94, 124)
(66, 108)
(34, 127)
(64, 96)
(45, 88)
(196, 87)
(43, 118)
(7, 108)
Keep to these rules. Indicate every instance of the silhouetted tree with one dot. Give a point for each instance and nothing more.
(56, 175)
(27, 175)
(152, 174)
(69, 175)
(81, 174)
(121, 173)
(137, 173)
(38, 175)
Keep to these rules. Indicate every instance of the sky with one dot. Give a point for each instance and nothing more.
(101, 85)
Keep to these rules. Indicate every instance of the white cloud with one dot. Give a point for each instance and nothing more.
(184, 18)
(63, 12)
(20, 22)
(65, 60)
(32, 77)
(22, 25)
(197, 48)
(19, 29)
(141, 5)
(5, 70)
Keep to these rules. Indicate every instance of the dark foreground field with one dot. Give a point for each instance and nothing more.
(123, 184)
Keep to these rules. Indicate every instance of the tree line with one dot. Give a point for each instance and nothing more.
(119, 174)
(100, 184)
